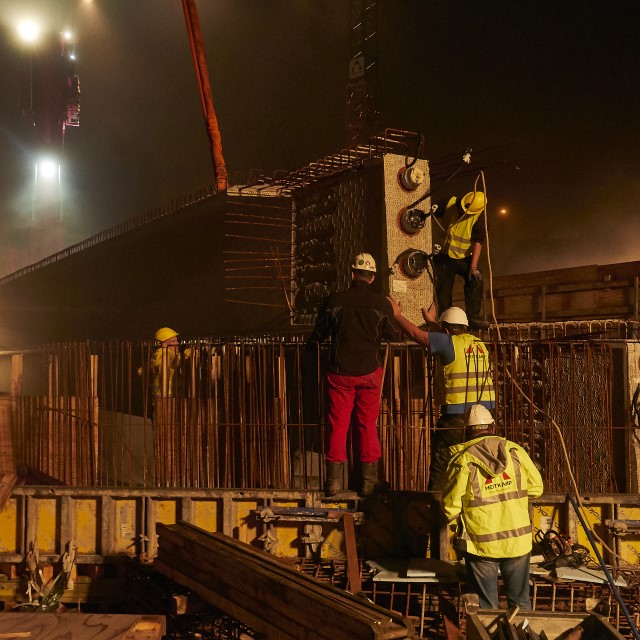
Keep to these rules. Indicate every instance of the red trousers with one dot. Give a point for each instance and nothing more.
(357, 396)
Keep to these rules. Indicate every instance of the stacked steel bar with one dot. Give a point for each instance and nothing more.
(263, 593)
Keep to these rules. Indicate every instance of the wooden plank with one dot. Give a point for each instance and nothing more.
(249, 589)
(80, 626)
(256, 584)
(246, 616)
(8, 464)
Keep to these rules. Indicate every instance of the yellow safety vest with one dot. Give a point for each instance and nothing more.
(458, 240)
(487, 486)
(165, 363)
(467, 379)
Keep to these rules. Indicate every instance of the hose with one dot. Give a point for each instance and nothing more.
(612, 583)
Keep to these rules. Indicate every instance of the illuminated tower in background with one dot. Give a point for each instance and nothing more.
(50, 100)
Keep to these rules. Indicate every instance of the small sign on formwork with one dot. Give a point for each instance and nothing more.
(356, 68)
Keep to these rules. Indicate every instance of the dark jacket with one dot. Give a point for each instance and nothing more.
(357, 320)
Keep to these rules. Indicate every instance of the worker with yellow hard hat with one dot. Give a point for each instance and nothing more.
(165, 362)
(458, 235)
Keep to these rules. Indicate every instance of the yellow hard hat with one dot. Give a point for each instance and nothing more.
(364, 262)
(165, 333)
(473, 202)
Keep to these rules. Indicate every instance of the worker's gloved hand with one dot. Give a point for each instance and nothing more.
(475, 275)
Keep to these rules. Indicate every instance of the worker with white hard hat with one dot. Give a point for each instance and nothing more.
(463, 379)
(458, 235)
(357, 321)
(488, 483)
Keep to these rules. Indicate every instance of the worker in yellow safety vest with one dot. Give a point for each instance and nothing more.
(458, 235)
(165, 363)
(488, 483)
(462, 380)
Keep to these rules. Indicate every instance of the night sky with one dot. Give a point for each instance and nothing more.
(547, 92)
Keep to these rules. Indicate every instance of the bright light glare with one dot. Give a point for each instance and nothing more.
(29, 31)
(72, 56)
(47, 169)
(67, 35)
(503, 212)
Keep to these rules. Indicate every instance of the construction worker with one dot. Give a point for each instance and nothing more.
(462, 380)
(357, 320)
(165, 362)
(458, 234)
(487, 486)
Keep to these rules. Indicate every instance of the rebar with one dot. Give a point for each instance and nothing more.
(250, 413)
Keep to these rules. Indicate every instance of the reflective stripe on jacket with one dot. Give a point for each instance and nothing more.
(487, 486)
(467, 378)
(458, 225)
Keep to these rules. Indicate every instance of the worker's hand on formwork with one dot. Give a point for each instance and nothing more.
(397, 309)
(429, 314)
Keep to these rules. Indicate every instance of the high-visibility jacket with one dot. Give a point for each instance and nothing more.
(458, 227)
(165, 366)
(466, 379)
(487, 486)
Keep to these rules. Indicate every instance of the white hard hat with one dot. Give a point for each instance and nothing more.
(364, 262)
(454, 315)
(479, 416)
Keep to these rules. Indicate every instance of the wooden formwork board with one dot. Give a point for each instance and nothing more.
(81, 626)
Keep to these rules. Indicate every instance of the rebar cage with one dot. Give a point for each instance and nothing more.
(251, 413)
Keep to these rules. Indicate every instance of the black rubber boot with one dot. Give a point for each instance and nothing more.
(333, 483)
(369, 479)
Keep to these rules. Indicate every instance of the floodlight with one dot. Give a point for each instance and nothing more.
(47, 168)
(29, 31)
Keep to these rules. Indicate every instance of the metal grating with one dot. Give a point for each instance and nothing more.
(572, 383)
(575, 330)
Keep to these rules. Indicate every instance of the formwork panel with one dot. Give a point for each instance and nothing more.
(289, 535)
(629, 545)
(357, 211)
(594, 515)
(47, 523)
(412, 292)
(245, 522)
(546, 517)
(166, 511)
(86, 525)
(205, 514)
(127, 525)
(10, 527)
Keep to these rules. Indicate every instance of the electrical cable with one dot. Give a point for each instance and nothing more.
(408, 165)
(466, 158)
(612, 583)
